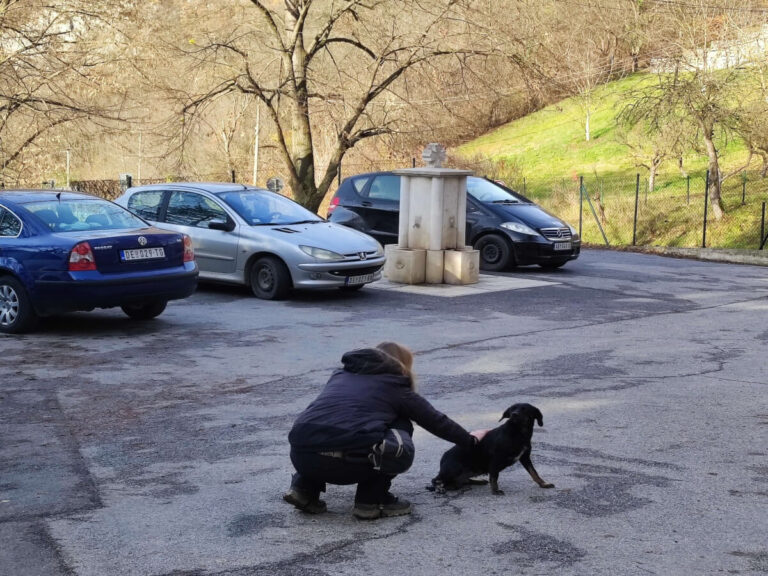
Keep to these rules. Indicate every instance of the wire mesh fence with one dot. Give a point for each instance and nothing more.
(676, 212)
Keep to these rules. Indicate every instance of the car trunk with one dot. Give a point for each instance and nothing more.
(133, 250)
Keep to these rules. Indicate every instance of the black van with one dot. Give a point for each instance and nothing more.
(508, 229)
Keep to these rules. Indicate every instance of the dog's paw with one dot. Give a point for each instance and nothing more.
(547, 485)
(498, 492)
(430, 487)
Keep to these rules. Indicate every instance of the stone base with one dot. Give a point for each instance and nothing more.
(435, 266)
(461, 266)
(405, 265)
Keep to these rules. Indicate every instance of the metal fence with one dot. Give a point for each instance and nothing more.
(624, 211)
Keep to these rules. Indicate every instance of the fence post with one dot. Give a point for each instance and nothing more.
(581, 204)
(688, 189)
(413, 162)
(637, 199)
(743, 188)
(338, 175)
(763, 237)
(524, 187)
(706, 207)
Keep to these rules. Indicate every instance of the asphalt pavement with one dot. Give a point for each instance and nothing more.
(160, 448)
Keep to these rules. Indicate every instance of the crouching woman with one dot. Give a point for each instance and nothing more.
(359, 429)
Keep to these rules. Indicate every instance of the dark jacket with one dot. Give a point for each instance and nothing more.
(360, 402)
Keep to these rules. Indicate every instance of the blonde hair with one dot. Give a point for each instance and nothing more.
(403, 355)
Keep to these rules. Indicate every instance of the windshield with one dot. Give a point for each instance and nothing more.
(260, 208)
(486, 191)
(75, 215)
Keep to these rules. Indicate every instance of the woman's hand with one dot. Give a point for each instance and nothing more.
(479, 434)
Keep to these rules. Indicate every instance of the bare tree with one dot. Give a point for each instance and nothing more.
(328, 62)
(46, 70)
(702, 82)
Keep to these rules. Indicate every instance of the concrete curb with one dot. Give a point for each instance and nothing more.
(751, 257)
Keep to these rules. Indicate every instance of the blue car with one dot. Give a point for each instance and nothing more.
(65, 251)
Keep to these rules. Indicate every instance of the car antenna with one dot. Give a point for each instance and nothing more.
(58, 196)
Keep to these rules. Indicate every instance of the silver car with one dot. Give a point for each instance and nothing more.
(250, 236)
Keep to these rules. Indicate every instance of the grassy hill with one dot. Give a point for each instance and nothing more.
(544, 154)
(550, 144)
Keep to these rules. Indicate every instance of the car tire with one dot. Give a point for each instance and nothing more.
(495, 253)
(16, 312)
(270, 279)
(551, 265)
(144, 311)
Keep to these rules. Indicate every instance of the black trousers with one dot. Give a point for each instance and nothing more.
(314, 471)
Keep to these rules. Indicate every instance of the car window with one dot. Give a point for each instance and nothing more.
(486, 191)
(385, 187)
(77, 214)
(10, 225)
(146, 204)
(192, 209)
(260, 207)
(359, 183)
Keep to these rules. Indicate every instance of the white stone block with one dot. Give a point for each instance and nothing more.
(405, 265)
(461, 266)
(435, 266)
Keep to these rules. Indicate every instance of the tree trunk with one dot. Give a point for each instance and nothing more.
(302, 155)
(587, 124)
(714, 176)
(652, 175)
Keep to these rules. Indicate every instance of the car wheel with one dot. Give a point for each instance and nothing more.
(145, 311)
(351, 288)
(495, 253)
(16, 312)
(270, 279)
(551, 265)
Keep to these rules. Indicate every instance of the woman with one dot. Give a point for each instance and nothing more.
(358, 431)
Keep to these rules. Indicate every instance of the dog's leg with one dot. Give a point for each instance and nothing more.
(493, 479)
(525, 460)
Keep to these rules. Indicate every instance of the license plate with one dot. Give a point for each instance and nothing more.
(562, 245)
(142, 254)
(362, 279)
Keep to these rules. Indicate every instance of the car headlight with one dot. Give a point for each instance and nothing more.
(519, 228)
(574, 232)
(379, 250)
(321, 253)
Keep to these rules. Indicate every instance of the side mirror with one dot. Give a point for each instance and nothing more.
(225, 225)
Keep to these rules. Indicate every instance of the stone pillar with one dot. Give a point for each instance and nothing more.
(432, 227)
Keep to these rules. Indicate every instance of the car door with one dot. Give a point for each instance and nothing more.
(380, 207)
(190, 212)
(474, 214)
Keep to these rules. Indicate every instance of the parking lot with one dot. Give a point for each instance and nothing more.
(161, 448)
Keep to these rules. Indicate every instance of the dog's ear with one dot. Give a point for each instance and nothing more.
(508, 412)
(539, 416)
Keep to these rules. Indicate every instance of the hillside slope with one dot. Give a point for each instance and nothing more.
(550, 144)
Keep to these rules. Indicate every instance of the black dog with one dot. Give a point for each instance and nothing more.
(499, 449)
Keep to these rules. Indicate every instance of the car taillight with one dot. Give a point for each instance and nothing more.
(332, 206)
(189, 252)
(81, 258)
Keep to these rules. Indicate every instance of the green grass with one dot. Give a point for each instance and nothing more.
(551, 143)
(546, 152)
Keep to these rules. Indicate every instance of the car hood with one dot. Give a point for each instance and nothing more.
(325, 235)
(529, 214)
